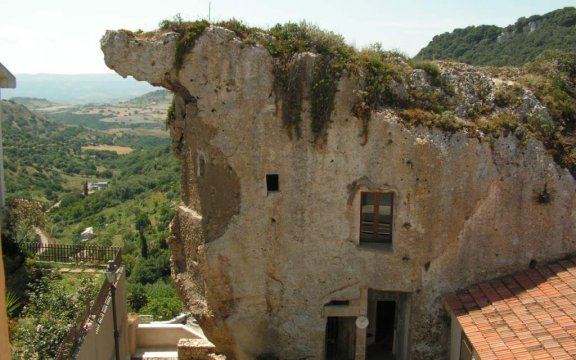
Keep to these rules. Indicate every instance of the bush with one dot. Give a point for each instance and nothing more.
(508, 96)
(144, 272)
(47, 318)
(137, 297)
(418, 117)
(504, 121)
(431, 69)
(162, 308)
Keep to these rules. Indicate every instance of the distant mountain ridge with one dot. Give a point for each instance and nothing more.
(32, 103)
(77, 89)
(515, 44)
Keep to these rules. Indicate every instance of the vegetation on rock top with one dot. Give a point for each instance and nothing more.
(189, 32)
(381, 70)
(552, 78)
(419, 91)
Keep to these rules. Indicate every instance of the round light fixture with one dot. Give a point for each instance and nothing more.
(362, 322)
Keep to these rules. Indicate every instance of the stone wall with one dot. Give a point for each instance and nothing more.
(257, 268)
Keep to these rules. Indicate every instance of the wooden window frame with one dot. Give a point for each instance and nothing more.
(378, 227)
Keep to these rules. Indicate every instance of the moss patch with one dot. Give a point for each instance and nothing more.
(420, 117)
(334, 55)
(289, 87)
(171, 113)
(327, 72)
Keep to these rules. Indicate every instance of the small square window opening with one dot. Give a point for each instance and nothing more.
(272, 183)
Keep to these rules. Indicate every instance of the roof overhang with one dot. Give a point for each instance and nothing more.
(7, 80)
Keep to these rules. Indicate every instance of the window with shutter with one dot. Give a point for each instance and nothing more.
(376, 217)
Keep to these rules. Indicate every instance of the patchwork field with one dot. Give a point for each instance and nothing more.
(120, 150)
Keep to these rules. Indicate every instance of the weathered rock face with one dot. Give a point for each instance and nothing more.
(258, 267)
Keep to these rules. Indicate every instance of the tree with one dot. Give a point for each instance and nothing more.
(143, 245)
(21, 218)
(164, 308)
(137, 297)
(142, 222)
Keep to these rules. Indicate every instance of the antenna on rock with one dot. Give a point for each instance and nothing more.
(209, 9)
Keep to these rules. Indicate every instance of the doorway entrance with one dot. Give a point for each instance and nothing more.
(340, 338)
(386, 331)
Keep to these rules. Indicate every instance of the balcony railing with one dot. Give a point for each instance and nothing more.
(71, 254)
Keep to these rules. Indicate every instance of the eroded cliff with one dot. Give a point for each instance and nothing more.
(476, 192)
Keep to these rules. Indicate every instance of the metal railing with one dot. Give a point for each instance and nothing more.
(70, 254)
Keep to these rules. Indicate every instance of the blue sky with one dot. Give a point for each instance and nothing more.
(62, 36)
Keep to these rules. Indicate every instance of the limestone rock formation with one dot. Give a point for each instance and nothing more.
(264, 266)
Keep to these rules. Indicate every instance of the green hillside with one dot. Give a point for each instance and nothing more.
(42, 158)
(515, 44)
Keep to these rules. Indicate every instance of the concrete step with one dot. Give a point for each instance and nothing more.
(155, 354)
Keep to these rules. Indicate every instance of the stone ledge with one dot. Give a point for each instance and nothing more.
(195, 349)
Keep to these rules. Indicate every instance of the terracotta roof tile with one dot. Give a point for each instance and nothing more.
(528, 315)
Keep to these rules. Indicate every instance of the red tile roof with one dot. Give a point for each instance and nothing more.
(530, 315)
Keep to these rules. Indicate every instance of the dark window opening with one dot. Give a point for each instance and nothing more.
(272, 182)
(376, 217)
